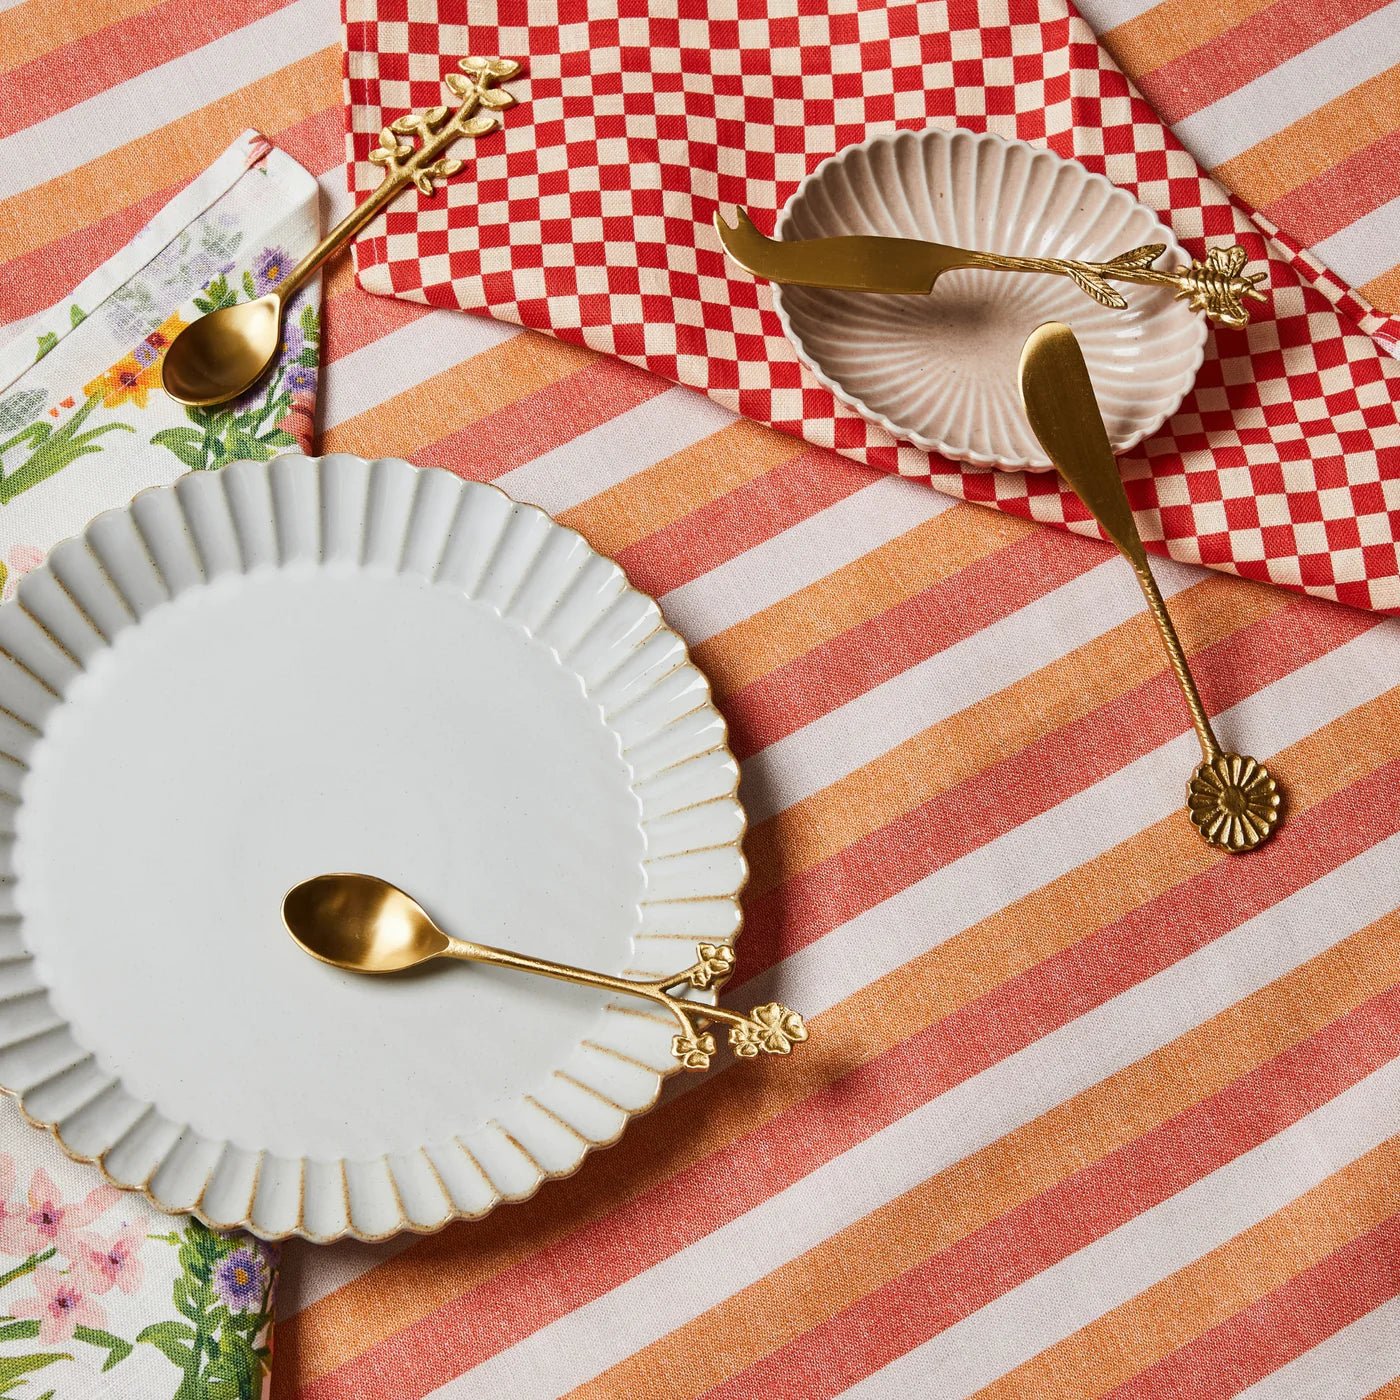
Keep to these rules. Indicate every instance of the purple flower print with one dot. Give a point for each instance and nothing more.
(293, 341)
(271, 267)
(238, 1280)
(301, 379)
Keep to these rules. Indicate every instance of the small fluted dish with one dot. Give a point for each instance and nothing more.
(939, 371)
(288, 668)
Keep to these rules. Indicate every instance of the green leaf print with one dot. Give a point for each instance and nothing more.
(224, 1290)
(185, 443)
(47, 341)
(20, 409)
(51, 449)
(19, 1271)
(117, 1348)
(217, 295)
(172, 1338)
(13, 1369)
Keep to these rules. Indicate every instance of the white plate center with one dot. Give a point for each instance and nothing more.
(278, 725)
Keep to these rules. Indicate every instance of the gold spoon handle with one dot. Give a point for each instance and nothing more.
(423, 166)
(1176, 655)
(772, 1029)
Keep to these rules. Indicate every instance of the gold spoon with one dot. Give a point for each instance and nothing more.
(222, 355)
(365, 924)
(1233, 800)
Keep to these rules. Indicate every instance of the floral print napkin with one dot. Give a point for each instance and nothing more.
(84, 425)
(101, 1294)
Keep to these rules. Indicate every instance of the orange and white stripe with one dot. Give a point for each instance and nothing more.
(1295, 107)
(1088, 1109)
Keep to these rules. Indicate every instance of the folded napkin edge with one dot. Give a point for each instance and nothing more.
(248, 151)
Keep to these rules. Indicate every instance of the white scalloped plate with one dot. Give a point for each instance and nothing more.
(940, 371)
(286, 668)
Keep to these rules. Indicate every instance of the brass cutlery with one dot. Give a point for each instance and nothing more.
(223, 354)
(364, 924)
(1233, 800)
(1219, 286)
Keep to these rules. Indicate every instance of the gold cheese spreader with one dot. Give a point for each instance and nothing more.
(1233, 801)
(1219, 286)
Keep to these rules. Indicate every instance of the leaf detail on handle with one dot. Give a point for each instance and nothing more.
(1097, 288)
(1140, 257)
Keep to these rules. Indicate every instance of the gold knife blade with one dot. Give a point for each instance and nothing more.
(1064, 414)
(904, 266)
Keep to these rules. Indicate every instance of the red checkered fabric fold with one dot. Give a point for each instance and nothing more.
(591, 219)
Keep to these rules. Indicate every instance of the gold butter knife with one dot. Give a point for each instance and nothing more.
(1218, 286)
(1233, 801)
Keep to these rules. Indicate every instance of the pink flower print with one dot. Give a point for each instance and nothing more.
(50, 1222)
(105, 1264)
(12, 1213)
(18, 562)
(61, 1305)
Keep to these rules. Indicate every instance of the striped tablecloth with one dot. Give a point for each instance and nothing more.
(1088, 1109)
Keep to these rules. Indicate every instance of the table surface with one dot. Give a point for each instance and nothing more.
(1087, 1105)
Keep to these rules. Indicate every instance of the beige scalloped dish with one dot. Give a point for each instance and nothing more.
(302, 666)
(940, 370)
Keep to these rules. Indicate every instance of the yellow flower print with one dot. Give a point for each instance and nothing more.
(126, 382)
(133, 377)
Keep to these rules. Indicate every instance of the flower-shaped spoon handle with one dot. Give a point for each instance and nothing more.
(771, 1029)
(426, 165)
(1233, 801)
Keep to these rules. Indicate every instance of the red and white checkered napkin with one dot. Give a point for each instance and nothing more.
(591, 218)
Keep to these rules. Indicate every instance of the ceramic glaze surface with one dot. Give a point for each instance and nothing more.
(298, 667)
(940, 370)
